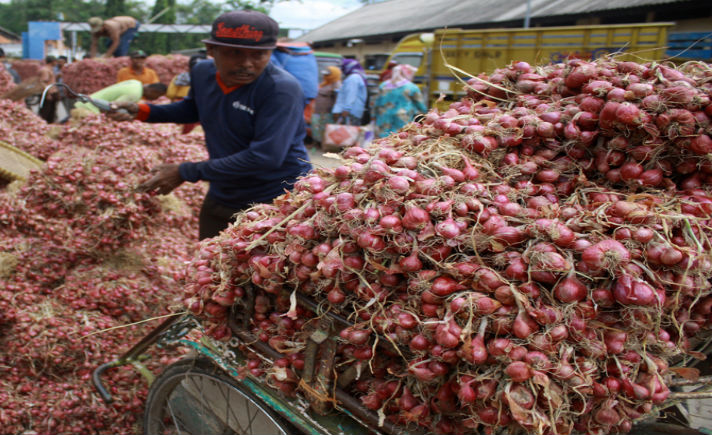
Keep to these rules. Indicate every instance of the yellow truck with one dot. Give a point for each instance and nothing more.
(483, 50)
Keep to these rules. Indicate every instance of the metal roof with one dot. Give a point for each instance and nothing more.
(10, 36)
(405, 16)
(156, 27)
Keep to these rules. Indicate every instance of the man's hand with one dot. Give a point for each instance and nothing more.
(123, 111)
(166, 179)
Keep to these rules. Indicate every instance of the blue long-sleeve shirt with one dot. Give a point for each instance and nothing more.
(301, 63)
(254, 134)
(351, 97)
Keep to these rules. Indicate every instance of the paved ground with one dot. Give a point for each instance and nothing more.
(322, 159)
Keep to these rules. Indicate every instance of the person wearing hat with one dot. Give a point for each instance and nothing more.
(251, 112)
(137, 70)
(297, 58)
(120, 31)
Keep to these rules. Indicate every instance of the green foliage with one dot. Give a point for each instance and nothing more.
(263, 6)
(15, 15)
(163, 12)
(115, 8)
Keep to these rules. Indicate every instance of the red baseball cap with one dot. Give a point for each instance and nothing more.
(244, 29)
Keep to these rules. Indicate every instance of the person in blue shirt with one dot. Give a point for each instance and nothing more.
(297, 58)
(251, 112)
(351, 98)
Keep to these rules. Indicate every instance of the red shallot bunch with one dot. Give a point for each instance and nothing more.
(498, 275)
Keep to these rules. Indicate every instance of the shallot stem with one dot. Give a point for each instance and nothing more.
(257, 241)
(134, 323)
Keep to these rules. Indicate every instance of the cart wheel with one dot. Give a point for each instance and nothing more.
(193, 396)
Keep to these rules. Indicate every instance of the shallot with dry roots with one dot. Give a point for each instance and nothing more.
(82, 257)
(532, 259)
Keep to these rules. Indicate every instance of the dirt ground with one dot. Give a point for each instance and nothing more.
(320, 158)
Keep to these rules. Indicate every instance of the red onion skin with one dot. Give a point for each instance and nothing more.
(518, 371)
(445, 285)
(415, 218)
(701, 144)
(606, 254)
(630, 291)
(524, 326)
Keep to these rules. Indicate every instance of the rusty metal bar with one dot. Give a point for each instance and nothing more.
(249, 307)
(312, 306)
(324, 376)
(347, 376)
(309, 361)
(347, 401)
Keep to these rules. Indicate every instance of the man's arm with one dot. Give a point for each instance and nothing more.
(94, 44)
(182, 112)
(115, 36)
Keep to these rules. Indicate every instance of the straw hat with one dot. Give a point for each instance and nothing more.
(95, 24)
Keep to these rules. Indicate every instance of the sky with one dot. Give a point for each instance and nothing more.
(310, 14)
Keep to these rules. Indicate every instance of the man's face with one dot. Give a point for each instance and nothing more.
(137, 63)
(239, 66)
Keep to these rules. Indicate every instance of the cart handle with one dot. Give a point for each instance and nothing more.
(133, 356)
(96, 379)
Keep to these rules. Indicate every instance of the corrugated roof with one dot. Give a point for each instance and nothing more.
(10, 36)
(405, 16)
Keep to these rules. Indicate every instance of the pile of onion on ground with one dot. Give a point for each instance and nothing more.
(83, 258)
(533, 259)
(6, 81)
(90, 75)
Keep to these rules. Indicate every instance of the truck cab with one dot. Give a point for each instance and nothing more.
(413, 50)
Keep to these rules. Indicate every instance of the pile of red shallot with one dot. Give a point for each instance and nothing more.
(27, 68)
(83, 258)
(24, 130)
(90, 75)
(168, 66)
(534, 259)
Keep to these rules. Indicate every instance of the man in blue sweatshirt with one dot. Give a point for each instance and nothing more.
(251, 113)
